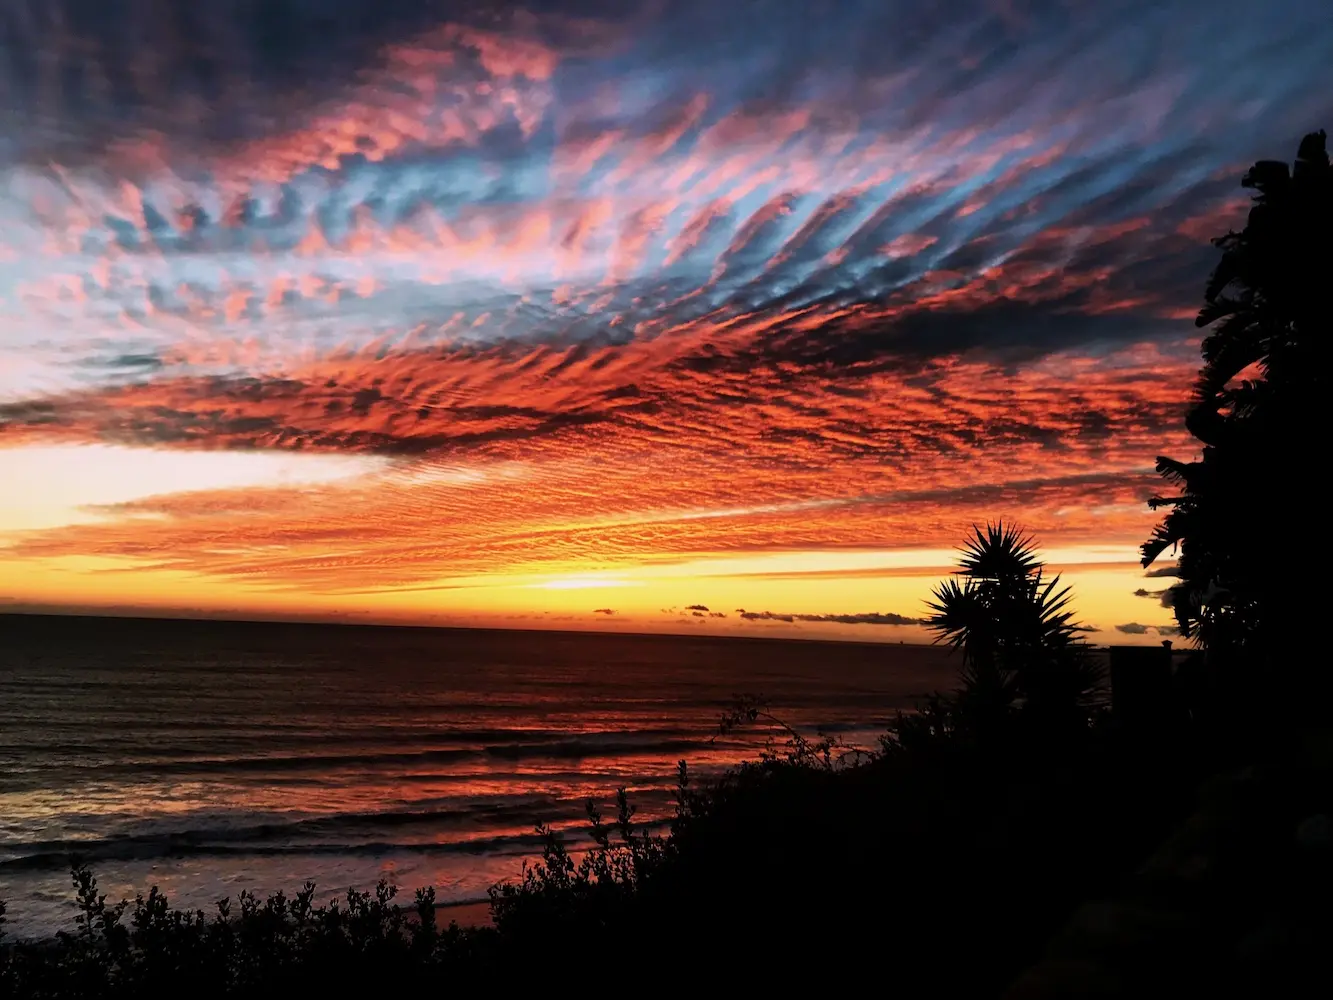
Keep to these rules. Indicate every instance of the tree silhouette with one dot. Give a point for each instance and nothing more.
(1021, 646)
(1255, 493)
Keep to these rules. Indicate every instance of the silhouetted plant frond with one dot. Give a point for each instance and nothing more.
(999, 553)
(957, 611)
(1055, 616)
(1179, 473)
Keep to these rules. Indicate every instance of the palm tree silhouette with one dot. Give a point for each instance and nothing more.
(1022, 648)
(1258, 402)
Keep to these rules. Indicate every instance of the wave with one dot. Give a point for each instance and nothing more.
(574, 748)
(63, 856)
(336, 833)
(277, 733)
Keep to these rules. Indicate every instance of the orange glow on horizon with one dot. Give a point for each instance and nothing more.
(687, 593)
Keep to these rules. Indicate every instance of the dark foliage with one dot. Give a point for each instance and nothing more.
(146, 948)
(941, 863)
(1243, 509)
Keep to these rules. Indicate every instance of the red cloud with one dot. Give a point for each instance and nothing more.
(557, 457)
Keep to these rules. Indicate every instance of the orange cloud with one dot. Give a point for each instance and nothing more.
(575, 458)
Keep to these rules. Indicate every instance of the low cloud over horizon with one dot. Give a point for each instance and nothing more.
(868, 618)
(1134, 628)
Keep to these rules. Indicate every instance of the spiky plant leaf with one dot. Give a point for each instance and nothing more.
(1001, 553)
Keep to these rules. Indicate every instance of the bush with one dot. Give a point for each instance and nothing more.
(146, 948)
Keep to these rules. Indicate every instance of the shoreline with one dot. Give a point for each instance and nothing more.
(465, 913)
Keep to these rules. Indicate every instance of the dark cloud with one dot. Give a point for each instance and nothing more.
(1165, 597)
(82, 76)
(1134, 628)
(870, 618)
(128, 58)
(604, 611)
(696, 607)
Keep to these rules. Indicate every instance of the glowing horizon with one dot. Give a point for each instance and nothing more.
(577, 317)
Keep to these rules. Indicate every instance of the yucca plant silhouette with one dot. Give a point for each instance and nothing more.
(1022, 649)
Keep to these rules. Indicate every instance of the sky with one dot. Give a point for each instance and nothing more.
(654, 315)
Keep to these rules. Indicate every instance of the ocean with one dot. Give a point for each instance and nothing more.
(211, 757)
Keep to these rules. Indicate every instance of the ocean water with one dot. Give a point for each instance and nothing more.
(207, 758)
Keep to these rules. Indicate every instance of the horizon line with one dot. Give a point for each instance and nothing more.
(147, 615)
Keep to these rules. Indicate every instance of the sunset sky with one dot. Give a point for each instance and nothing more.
(672, 315)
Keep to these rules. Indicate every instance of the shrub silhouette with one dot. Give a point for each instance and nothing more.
(263, 947)
(1258, 403)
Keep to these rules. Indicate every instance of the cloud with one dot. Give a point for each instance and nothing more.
(1160, 571)
(1165, 597)
(695, 607)
(231, 74)
(480, 402)
(773, 288)
(1134, 628)
(383, 174)
(871, 618)
(507, 503)
(604, 611)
